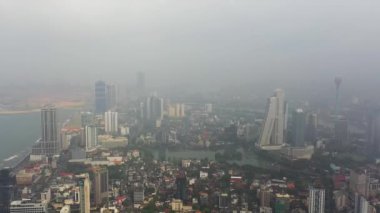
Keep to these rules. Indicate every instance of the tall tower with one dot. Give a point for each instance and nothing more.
(141, 83)
(298, 130)
(91, 137)
(100, 97)
(373, 131)
(84, 193)
(111, 98)
(6, 186)
(100, 185)
(338, 82)
(48, 144)
(316, 200)
(272, 135)
(111, 122)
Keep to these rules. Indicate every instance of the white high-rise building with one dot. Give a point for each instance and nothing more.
(111, 122)
(91, 137)
(272, 134)
(316, 200)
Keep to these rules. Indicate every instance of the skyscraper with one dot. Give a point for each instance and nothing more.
(316, 200)
(341, 131)
(298, 131)
(373, 131)
(84, 193)
(141, 81)
(100, 185)
(6, 186)
(111, 122)
(100, 97)
(48, 144)
(153, 109)
(111, 97)
(311, 128)
(91, 137)
(272, 135)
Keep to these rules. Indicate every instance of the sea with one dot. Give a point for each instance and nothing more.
(18, 132)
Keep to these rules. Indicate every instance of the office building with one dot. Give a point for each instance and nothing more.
(27, 206)
(181, 183)
(91, 137)
(48, 144)
(272, 134)
(361, 205)
(311, 128)
(100, 97)
(373, 131)
(100, 185)
(341, 131)
(84, 193)
(6, 189)
(298, 131)
(316, 200)
(111, 97)
(111, 123)
(153, 109)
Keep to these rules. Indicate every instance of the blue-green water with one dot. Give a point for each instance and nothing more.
(19, 131)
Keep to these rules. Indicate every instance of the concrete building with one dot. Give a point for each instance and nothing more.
(153, 109)
(176, 110)
(272, 134)
(6, 188)
(111, 122)
(316, 200)
(298, 128)
(361, 205)
(84, 193)
(341, 131)
(100, 185)
(373, 131)
(91, 137)
(138, 194)
(359, 182)
(111, 97)
(48, 144)
(100, 97)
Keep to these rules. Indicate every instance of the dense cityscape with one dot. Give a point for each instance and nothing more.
(154, 154)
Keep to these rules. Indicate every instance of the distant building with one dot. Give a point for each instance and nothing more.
(361, 205)
(359, 182)
(373, 131)
(223, 201)
(48, 144)
(100, 185)
(298, 131)
(100, 97)
(208, 108)
(181, 183)
(341, 131)
(27, 206)
(272, 134)
(153, 109)
(141, 83)
(6, 189)
(316, 200)
(176, 110)
(91, 137)
(87, 119)
(111, 122)
(311, 128)
(265, 197)
(111, 97)
(84, 193)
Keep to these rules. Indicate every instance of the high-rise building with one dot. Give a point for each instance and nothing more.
(265, 197)
(298, 131)
(6, 188)
(91, 137)
(48, 144)
(100, 185)
(111, 123)
(341, 131)
(181, 186)
(153, 109)
(138, 194)
(373, 131)
(100, 97)
(141, 82)
(316, 200)
(111, 97)
(272, 135)
(87, 119)
(311, 128)
(361, 205)
(84, 193)
(176, 110)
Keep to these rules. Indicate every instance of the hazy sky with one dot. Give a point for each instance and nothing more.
(296, 42)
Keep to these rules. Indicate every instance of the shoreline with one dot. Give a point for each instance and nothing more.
(17, 112)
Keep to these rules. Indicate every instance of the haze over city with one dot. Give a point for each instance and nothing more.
(202, 106)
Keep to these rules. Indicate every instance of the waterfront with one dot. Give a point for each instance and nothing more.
(18, 132)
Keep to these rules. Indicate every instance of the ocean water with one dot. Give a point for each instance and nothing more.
(20, 131)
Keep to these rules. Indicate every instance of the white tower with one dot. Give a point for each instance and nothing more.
(272, 135)
(111, 122)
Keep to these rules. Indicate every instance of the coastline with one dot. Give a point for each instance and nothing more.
(15, 112)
